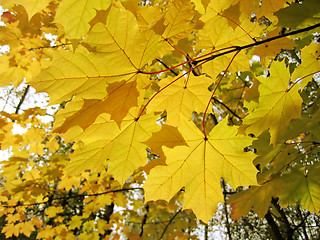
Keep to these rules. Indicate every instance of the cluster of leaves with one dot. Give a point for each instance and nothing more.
(186, 92)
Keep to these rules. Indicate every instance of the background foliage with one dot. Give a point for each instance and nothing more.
(164, 114)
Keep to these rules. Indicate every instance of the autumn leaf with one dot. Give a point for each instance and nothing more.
(277, 106)
(199, 166)
(257, 198)
(302, 185)
(311, 61)
(123, 147)
(267, 50)
(178, 20)
(181, 98)
(32, 6)
(75, 15)
(121, 97)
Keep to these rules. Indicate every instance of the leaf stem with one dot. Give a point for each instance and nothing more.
(214, 91)
(238, 26)
(299, 79)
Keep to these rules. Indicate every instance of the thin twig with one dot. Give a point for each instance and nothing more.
(144, 220)
(22, 98)
(70, 197)
(257, 43)
(166, 66)
(218, 101)
(166, 227)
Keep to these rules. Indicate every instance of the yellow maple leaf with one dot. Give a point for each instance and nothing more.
(52, 211)
(26, 228)
(277, 106)
(123, 45)
(181, 98)
(104, 140)
(199, 166)
(310, 64)
(32, 6)
(75, 15)
(75, 222)
(178, 20)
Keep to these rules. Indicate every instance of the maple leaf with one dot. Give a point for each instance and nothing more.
(277, 106)
(121, 97)
(103, 140)
(268, 50)
(302, 185)
(75, 15)
(257, 198)
(178, 20)
(199, 166)
(32, 6)
(10, 229)
(299, 15)
(310, 56)
(181, 98)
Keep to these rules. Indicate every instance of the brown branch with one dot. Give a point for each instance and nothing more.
(223, 184)
(289, 230)
(43, 47)
(257, 43)
(232, 112)
(274, 227)
(171, 219)
(144, 221)
(70, 197)
(166, 66)
(22, 98)
(302, 223)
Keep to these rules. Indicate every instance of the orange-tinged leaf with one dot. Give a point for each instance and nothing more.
(178, 20)
(26, 228)
(277, 106)
(121, 97)
(32, 6)
(257, 198)
(103, 140)
(75, 15)
(181, 98)
(11, 229)
(269, 50)
(168, 136)
(199, 166)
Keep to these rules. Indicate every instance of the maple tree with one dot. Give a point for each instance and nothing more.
(161, 101)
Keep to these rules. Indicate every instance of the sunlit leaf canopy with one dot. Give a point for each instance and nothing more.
(211, 90)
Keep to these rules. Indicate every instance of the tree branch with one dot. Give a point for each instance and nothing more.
(70, 197)
(257, 43)
(166, 66)
(274, 227)
(289, 230)
(144, 220)
(166, 227)
(22, 98)
(226, 210)
(232, 112)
